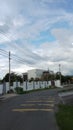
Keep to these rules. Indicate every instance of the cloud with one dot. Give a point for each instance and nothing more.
(4, 28)
(64, 37)
(24, 26)
(60, 51)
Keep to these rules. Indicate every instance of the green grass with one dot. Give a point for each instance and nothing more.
(65, 117)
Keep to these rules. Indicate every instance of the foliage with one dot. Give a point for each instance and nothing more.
(10, 91)
(37, 79)
(13, 77)
(0, 81)
(19, 90)
(52, 87)
(47, 77)
(64, 79)
(32, 79)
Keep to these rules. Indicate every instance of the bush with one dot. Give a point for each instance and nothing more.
(10, 91)
(19, 90)
(51, 87)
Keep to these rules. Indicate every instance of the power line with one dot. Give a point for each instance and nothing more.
(5, 53)
(18, 59)
(15, 45)
(14, 57)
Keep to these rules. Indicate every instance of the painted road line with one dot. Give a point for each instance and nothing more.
(27, 104)
(40, 101)
(51, 105)
(31, 110)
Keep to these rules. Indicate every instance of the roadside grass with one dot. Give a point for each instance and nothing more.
(64, 117)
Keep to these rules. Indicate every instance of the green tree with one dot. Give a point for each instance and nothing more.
(13, 77)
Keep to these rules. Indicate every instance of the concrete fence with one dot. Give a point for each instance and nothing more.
(4, 88)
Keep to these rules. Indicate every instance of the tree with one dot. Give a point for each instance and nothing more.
(13, 77)
(46, 76)
(37, 79)
(32, 79)
(57, 75)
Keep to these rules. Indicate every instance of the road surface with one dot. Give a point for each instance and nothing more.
(67, 100)
(33, 111)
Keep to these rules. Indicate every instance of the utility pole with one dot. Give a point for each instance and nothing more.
(23, 77)
(60, 72)
(9, 68)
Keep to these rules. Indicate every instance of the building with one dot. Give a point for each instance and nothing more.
(47, 75)
(35, 73)
(25, 76)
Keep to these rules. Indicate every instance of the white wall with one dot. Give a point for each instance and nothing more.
(1, 88)
(30, 85)
(58, 84)
(7, 87)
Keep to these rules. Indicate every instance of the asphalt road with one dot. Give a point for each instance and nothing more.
(33, 111)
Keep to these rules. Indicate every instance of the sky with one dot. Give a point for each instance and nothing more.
(39, 33)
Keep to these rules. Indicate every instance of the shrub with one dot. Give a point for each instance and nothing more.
(10, 91)
(19, 90)
(51, 87)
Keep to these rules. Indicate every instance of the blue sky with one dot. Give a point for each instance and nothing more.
(38, 31)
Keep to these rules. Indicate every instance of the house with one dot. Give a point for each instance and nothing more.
(35, 73)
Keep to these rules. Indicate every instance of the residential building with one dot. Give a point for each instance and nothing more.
(25, 76)
(35, 73)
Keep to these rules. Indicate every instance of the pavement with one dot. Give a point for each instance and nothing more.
(7, 96)
(33, 111)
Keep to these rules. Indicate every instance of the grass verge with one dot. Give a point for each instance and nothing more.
(64, 117)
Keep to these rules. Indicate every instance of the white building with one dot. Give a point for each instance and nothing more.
(35, 73)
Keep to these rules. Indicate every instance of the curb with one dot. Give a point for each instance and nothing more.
(7, 96)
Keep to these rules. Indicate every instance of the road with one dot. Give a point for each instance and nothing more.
(67, 99)
(33, 111)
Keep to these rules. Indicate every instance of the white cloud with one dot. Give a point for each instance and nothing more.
(22, 21)
(64, 37)
(60, 51)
